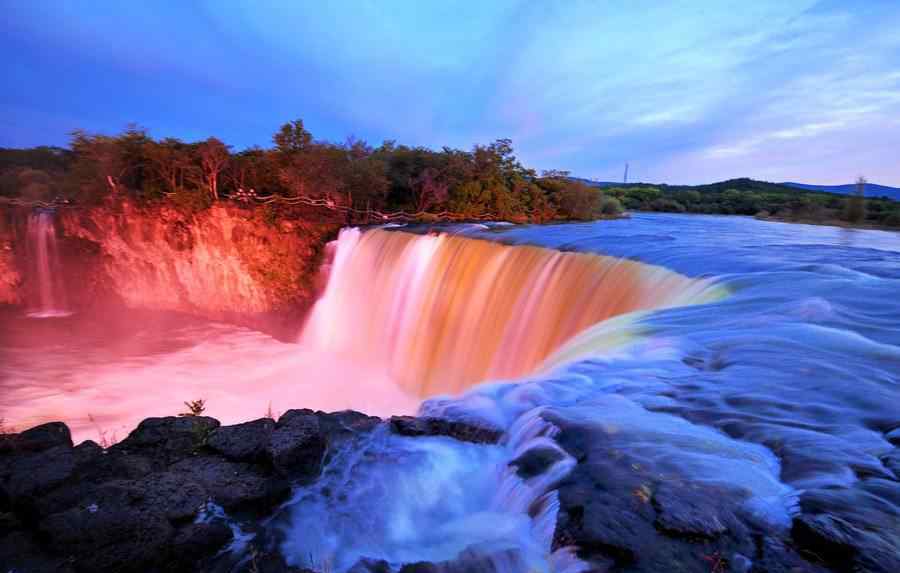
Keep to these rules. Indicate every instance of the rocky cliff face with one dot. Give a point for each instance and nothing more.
(9, 275)
(224, 263)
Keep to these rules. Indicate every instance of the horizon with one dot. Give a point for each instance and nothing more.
(687, 94)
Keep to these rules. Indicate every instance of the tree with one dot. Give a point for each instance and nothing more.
(292, 138)
(214, 156)
(169, 161)
(855, 208)
(429, 190)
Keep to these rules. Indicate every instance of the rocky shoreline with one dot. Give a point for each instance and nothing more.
(148, 503)
(139, 505)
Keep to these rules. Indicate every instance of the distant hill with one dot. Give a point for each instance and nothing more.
(872, 189)
(744, 184)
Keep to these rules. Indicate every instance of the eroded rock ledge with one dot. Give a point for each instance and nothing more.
(135, 505)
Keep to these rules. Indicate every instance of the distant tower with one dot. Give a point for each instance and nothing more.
(625, 179)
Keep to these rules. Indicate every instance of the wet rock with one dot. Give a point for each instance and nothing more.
(462, 431)
(199, 540)
(245, 442)
(894, 436)
(169, 439)
(233, 485)
(837, 542)
(686, 511)
(892, 462)
(297, 445)
(536, 461)
(620, 534)
(269, 562)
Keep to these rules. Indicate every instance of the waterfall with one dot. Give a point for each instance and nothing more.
(46, 295)
(441, 313)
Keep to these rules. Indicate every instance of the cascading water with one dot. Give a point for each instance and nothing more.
(782, 394)
(443, 312)
(46, 297)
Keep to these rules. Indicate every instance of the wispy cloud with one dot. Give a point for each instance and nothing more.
(687, 91)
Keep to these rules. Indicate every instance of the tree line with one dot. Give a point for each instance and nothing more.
(762, 199)
(488, 179)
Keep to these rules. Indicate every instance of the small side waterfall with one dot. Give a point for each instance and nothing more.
(46, 294)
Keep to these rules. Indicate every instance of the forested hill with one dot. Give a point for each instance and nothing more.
(751, 197)
(872, 189)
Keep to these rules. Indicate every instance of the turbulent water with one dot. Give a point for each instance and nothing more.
(761, 355)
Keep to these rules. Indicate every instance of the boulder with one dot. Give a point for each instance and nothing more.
(297, 445)
(458, 430)
(233, 485)
(169, 439)
(689, 511)
(245, 442)
(41, 438)
(111, 535)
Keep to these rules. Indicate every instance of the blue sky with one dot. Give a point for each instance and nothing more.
(687, 91)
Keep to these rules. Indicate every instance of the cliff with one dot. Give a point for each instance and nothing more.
(9, 275)
(224, 263)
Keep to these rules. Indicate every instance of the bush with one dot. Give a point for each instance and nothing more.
(611, 206)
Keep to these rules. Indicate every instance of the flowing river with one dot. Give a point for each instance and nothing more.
(722, 350)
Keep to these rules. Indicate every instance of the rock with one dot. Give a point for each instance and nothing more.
(462, 431)
(891, 461)
(32, 474)
(199, 540)
(177, 497)
(110, 536)
(20, 553)
(41, 438)
(169, 439)
(894, 436)
(536, 461)
(616, 533)
(366, 565)
(233, 485)
(245, 442)
(837, 543)
(297, 445)
(685, 511)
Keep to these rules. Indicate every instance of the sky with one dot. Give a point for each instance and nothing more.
(685, 91)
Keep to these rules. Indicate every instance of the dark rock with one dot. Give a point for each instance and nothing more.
(462, 431)
(616, 533)
(269, 562)
(894, 436)
(536, 461)
(687, 511)
(34, 473)
(198, 540)
(892, 462)
(169, 439)
(43, 437)
(177, 497)
(245, 442)
(20, 553)
(837, 543)
(366, 565)
(110, 536)
(297, 445)
(233, 485)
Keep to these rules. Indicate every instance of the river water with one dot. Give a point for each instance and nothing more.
(726, 350)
